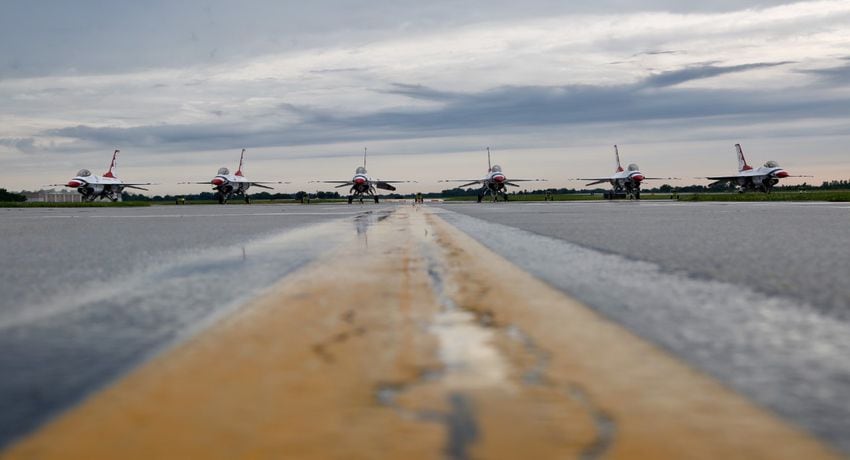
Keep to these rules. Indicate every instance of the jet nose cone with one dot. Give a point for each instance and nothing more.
(638, 177)
(499, 178)
(217, 181)
(781, 174)
(359, 181)
(74, 183)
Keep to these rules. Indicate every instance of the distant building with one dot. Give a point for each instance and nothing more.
(53, 196)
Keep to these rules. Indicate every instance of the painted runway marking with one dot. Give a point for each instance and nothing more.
(335, 363)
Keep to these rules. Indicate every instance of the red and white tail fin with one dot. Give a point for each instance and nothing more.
(742, 162)
(111, 172)
(241, 157)
(617, 157)
(489, 164)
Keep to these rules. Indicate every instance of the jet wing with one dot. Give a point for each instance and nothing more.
(595, 180)
(385, 184)
(720, 179)
(468, 182)
(260, 184)
(342, 183)
(136, 185)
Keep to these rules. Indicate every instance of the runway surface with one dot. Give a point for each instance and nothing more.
(89, 292)
(753, 293)
(96, 293)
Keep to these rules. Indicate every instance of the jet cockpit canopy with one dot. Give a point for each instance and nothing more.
(83, 173)
(223, 171)
(496, 168)
(360, 170)
(633, 167)
(771, 164)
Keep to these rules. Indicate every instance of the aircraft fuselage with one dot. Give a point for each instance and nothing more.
(97, 187)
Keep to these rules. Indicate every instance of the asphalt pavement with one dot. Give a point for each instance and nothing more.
(87, 293)
(752, 294)
(794, 250)
(755, 294)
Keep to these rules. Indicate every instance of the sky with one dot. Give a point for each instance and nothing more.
(181, 87)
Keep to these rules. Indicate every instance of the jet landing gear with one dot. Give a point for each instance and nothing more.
(351, 198)
(247, 199)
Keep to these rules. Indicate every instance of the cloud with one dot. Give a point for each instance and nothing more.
(832, 76)
(25, 145)
(508, 107)
(698, 72)
(425, 76)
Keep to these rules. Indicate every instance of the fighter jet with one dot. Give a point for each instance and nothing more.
(493, 183)
(227, 185)
(748, 179)
(362, 185)
(100, 187)
(625, 183)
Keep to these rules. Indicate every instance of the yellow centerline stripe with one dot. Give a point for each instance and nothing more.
(416, 342)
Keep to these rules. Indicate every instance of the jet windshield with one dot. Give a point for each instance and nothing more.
(771, 164)
(223, 171)
(83, 173)
(633, 167)
(360, 170)
(496, 168)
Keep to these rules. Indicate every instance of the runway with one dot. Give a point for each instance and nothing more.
(423, 318)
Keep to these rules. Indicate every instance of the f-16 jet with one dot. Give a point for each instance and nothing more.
(625, 182)
(493, 183)
(760, 179)
(100, 187)
(362, 185)
(228, 185)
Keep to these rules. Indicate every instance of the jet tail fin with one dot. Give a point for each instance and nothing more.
(112, 165)
(617, 158)
(241, 158)
(742, 162)
(489, 165)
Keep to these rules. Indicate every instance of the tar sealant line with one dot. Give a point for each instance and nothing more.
(779, 353)
(469, 361)
(98, 332)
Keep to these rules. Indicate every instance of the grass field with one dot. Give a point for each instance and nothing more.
(565, 197)
(562, 197)
(241, 202)
(99, 204)
(811, 195)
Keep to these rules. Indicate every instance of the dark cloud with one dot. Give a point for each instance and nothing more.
(832, 76)
(510, 107)
(659, 52)
(340, 70)
(85, 37)
(22, 144)
(419, 92)
(699, 72)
